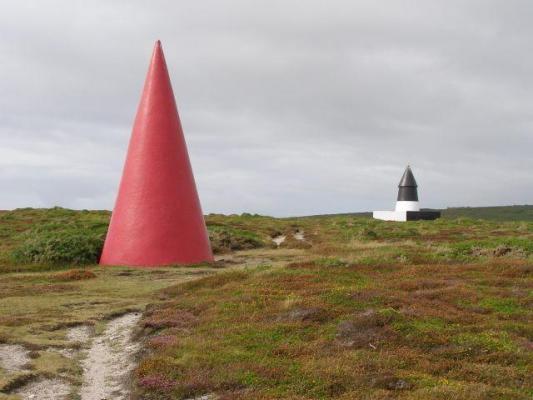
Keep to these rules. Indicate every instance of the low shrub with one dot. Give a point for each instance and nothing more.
(509, 246)
(170, 318)
(158, 383)
(58, 247)
(330, 262)
(75, 275)
(367, 234)
(225, 239)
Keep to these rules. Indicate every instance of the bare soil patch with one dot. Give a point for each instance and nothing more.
(44, 389)
(13, 357)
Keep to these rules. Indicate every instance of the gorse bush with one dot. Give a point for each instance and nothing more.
(62, 247)
(56, 236)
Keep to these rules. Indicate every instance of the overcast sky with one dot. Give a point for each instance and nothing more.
(288, 107)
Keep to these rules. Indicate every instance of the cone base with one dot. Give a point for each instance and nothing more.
(119, 263)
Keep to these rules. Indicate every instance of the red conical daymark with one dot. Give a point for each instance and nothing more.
(157, 219)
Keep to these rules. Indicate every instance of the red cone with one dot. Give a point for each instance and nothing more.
(157, 218)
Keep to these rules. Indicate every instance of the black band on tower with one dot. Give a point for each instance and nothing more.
(407, 193)
(407, 189)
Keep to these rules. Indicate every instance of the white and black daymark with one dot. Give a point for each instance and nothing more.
(407, 205)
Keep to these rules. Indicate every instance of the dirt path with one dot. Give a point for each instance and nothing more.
(107, 363)
(79, 334)
(110, 361)
(13, 357)
(44, 389)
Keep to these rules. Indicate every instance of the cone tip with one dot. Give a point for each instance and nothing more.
(158, 49)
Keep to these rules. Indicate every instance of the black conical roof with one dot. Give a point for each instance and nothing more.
(408, 179)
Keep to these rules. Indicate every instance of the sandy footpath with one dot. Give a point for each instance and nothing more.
(107, 364)
(110, 361)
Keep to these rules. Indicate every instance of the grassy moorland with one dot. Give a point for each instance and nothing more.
(502, 213)
(370, 310)
(49, 284)
(498, 213)
(346, 307)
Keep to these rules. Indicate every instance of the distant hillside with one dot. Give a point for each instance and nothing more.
(503, 213)
(500, 213)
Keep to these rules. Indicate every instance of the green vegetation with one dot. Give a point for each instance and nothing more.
(37, 309)
(503, 213)
(369, 309)
(312, 330)
(64, 247)
(33, 238)
(500, 213)
(345, 307)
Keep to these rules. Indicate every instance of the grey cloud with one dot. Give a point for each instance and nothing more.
(288, 107)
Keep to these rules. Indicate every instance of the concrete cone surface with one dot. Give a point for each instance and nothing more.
(157, 219)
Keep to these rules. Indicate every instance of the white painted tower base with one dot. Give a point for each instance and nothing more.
(400, 212)
(390, 215)
(407, 206)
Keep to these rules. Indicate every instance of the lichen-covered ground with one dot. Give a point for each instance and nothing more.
(343, 307)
